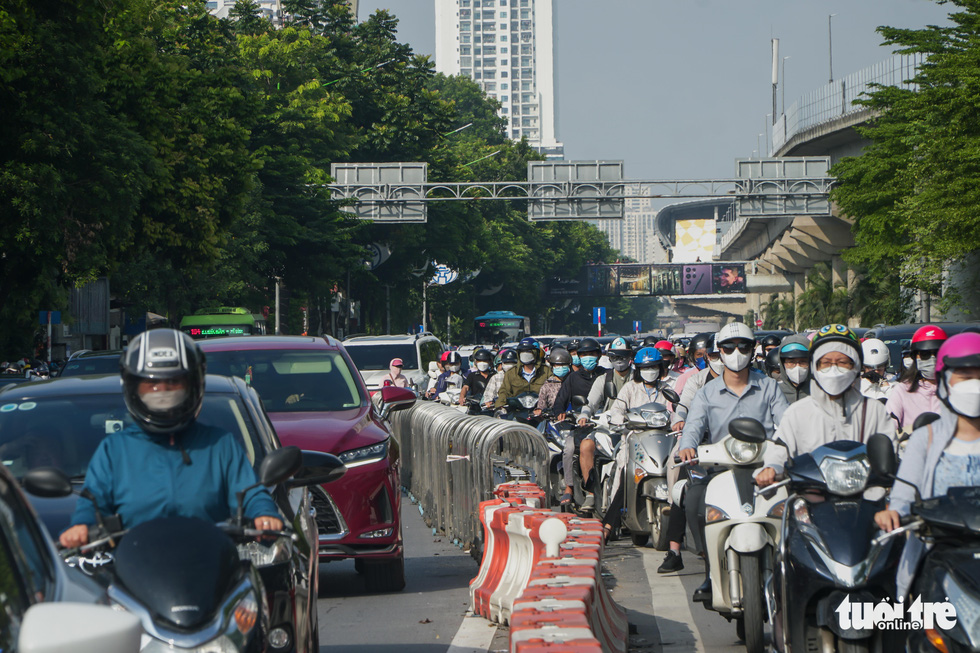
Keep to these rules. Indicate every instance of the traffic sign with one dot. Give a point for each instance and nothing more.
(637, 326)
(599, 315)
(55, 317)
(758, 324)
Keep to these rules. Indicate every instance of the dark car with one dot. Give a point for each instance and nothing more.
(317, 401)
(59, 423)
(92, 362)
(898, 337)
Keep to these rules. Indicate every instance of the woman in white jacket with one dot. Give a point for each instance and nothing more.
(835, 410)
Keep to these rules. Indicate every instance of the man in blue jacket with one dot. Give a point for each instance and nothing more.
(167, 464)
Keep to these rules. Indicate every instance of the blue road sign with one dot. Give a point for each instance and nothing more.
(599, 315)
(55, 317)
(637, 326)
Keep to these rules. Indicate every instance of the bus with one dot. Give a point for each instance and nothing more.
(222, 321)
(498, 327)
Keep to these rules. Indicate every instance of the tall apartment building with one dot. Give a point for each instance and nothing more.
(507, 47)
(635, 235)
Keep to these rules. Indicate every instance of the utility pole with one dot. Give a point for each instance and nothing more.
(277, 305)
(830, 43)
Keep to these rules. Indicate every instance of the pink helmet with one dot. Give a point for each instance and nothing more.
(961, 350)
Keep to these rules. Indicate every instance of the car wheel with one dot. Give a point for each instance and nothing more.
(386, 576)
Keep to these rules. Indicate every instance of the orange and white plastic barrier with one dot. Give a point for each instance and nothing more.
(541, 573)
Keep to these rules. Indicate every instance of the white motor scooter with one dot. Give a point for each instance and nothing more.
(742, 528)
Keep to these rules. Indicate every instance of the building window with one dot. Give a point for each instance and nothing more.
(503, 98)
(477, 75)
(503, 110)
(464, 3)
(526, 72)
(464, 26)
(465, 38)
(516, 135)
(503, 62)
(503, 73)
(465, 49)
(465, 62)
(476, 50)
(490, 74)
(489, 27)
(466, 72)
(525, 62)
(526, 97)
(525, 86)
(489, 38)
(477, 38)
(525, 48)
(525, 15)
(503, 14)
(490, 49)
(503, 38)
(491, 86)
(504, 87)
(465, 14)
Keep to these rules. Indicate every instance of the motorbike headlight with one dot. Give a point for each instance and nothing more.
(261, 554)
(845, 477)
(655, 419)
(742, 452)
(529, 401)
(365, 455)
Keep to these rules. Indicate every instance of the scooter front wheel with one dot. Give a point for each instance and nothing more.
(752, 614)
(658, 526)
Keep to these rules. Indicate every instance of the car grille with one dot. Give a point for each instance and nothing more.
(328, 522)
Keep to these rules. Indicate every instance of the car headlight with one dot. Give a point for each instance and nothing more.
(365, 455)
(742, 452)
(261, 554)
(845, 477)
(655, 419)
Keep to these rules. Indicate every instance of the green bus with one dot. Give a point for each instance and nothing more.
(222, 321)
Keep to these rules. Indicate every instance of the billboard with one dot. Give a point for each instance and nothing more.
(667, 280)
(694, 241)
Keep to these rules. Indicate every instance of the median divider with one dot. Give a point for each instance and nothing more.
(542, 574)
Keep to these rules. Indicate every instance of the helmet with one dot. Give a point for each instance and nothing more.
(559, 356)
(528, 344)
(771, 340)
(508, 356)
(664, 345)
(573, 345)
(621, 347)
(928, 338)
(772, 361)
(453, 358)
(482, 355)
(163, 355)
(649, 341)
(794, 349)
(587, 345)
(444, 357)
(836, 333)
(875, 352)
(647, 357)
(700, 341)
(962, 350)
(735, 331)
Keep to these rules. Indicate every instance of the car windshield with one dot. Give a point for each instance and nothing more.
(64, 432)
(368, 357)
(94, 365)
(293, 381)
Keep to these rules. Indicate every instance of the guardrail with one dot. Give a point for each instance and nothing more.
(451, 461)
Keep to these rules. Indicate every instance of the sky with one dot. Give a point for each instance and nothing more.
(679, 89)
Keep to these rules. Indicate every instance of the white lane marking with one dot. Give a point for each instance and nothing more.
(475, 635)
(672, 610)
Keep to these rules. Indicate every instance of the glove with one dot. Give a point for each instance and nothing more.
(873, 376)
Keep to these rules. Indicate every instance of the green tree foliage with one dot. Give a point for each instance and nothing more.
(914, 192)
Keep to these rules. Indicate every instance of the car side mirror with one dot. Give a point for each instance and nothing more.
(924, 420)
(279, 465)
(747, 429)
(881, 455)
(47, 482)
(394, 398)
(318, 468)
(671, 396)
(610, 390)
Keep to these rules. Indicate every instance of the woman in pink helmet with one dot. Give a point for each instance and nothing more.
(915, 392)
(946, 453)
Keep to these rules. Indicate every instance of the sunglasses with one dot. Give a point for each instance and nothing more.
(744, 347)
(924, 355)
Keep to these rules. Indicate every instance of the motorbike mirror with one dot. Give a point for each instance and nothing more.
(279, 465)
(579, 401)
(881, 455)
(610, 390)
(924, 420)
(47, 482)
(747, 429)
(671, 396)
(318, 469)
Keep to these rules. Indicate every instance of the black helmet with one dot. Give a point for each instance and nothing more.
(573, 345)
(588, 345)
(454, 358)
(771, 340)
(482, 355)
(163, 355)
(650, 341)
(559, 356)
(772, 361)
(508, 356)
(700, 341)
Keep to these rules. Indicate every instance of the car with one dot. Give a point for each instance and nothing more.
(60, 423)
(373, 354)
(92, 362)
(316, 400)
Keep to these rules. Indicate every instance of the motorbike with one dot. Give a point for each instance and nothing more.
(741, 527)
(474, 406)
(827, 554)
(193, 585)
(607, 439)
(521, 408)
(556, 433)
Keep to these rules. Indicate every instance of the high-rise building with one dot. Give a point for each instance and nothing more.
(507, 47)
(635, 235)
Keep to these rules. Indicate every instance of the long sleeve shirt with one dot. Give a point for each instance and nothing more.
(906, 405)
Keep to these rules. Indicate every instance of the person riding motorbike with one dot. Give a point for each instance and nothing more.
(874, 376)
(712, 354)
(834, 410)
(620, 356)
(767, 344)
(666, 349)
(451, 378)
(573, 352)
(915, 393)
(943, 454)
(167, 464)
(506, 359)
(794, 367)
(579, 383)
(697, 357)
(529, 377)
(561, 364)
(738, 391)
(771, 365)
(476, 382)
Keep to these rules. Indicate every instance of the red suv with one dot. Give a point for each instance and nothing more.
(317, 401)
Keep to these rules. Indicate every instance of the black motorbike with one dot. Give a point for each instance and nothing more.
(189, 581)
(521, 408)
(826, 555)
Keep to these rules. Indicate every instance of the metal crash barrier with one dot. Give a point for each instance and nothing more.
(451, 461)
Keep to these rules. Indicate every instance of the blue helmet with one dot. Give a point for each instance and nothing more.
(528, 344)
(647, 357)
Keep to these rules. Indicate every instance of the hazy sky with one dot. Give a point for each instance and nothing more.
(678, 89)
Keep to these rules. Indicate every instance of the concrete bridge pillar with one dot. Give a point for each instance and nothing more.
(838, 272)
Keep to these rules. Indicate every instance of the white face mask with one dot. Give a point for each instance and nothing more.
(621, 366)
(527, 357)
(163, 399)
(835, 380)
(735, 361)
(964, 398)
(797, 374)
(509, 366)
(907, 362)
(716, 365)
(483, 367)
(454, 368)
(650, 374)
(928, 368)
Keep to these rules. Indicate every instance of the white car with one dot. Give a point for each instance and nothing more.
(373, 354)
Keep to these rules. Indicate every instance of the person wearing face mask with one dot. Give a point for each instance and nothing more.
(915, 392)
(835, 410)
(432, 375)
(794, 367)
(740, 391)
(573, 352)
(579, 383)
(528, 377)
(945, 453)
(561, 365)
(666, 349)
(506, 359)
(696, 381)
(697, 358)
(395, 376)
(167, 464)
(874, 375)
(476, 382)
(620, 357)
(451, 377)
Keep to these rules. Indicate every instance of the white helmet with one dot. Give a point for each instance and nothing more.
(875, 352)
(735, 331)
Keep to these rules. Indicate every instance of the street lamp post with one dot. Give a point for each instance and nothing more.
(830, 44)
(783, 84)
